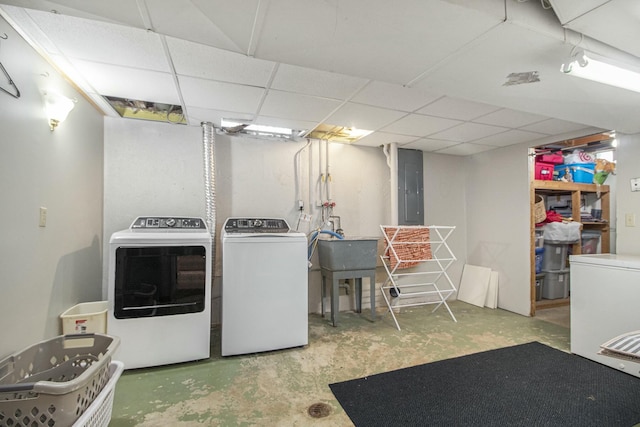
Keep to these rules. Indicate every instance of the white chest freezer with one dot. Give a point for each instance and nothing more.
(605, 303)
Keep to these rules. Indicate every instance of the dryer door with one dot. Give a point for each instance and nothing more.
(159, 281)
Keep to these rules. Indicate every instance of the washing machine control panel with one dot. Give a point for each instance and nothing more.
(256, 225)
(158, 222)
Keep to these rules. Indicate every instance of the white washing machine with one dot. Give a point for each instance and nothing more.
(159, 291)
(264, 286)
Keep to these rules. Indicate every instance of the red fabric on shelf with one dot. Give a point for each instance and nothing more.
(553, 216)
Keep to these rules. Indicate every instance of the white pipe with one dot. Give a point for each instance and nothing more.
(296, 165)
(328, 170)
(321, 175)
(392, 161)
(310, 206)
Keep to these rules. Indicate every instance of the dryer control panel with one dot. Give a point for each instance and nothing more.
(256, 225)
(156, 222)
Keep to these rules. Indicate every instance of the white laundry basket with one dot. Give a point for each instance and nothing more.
(98, 414)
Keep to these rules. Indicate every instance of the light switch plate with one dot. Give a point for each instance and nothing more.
(630, 220)
(635, 184)
(42, 221)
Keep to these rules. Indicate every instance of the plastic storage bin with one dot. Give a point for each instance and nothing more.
(591, 241)
(539, 233)
(555, 256)
(544, 171)
(53, 382)
(553, 158)
(539, 285)
(556, 284)
(85, 318)
(580, 172)
(539, 259)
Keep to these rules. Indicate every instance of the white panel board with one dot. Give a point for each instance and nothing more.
(474, 284)
(491, 300)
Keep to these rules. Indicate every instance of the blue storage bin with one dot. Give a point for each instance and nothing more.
(580, 172)
(539, 258)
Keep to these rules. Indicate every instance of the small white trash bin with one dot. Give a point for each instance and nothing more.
(85, 318)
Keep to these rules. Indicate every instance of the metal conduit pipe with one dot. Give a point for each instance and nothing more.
(208, 151)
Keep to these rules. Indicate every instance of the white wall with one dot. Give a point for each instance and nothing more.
(498, 215)
(45, 270)
(153, 169)
(628, 166)
(445, 203)
(157, 169)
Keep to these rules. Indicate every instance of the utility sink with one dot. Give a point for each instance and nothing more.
(350, 253)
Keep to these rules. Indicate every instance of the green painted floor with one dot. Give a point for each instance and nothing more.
(277, 388)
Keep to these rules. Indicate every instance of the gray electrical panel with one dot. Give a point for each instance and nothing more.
(410, 187)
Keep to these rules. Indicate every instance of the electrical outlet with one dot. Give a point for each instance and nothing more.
(43, 217)
(635, 184)
(630, 220)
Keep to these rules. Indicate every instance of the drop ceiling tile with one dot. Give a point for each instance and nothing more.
(122, 11)
(297, 107)
(377, 139)
(510, 118)
(220, 96)
(197, 60)
(553, 126)
(428, 144)
(363, 116)
(467, 132)
(567, 10)
(132, 83)
(291, 78)
(455, 108)
(103, 42)
(226, 25)
(382, 40)
(465, 149)
(419, 125)
(511, 137)
(394, 96)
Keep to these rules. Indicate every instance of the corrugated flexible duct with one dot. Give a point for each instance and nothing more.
(208, 150)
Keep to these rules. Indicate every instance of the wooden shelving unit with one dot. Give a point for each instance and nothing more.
(576, 191)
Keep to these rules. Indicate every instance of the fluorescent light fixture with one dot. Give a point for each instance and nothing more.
(588, 68)
(233, 127)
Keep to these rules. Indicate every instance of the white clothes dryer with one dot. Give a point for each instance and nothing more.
(264, 286)
(159, 291)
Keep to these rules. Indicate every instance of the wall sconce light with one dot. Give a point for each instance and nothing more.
(57, 107)
(586, 67)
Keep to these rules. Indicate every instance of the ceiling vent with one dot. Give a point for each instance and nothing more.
(522, 78)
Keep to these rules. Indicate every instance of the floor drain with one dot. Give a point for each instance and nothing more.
(319, 410)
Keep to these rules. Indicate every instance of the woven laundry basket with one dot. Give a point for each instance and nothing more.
(539, 211)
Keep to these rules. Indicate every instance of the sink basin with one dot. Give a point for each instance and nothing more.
(350, 253)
